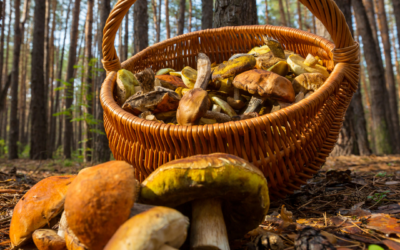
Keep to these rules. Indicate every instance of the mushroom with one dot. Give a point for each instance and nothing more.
(47, 239)
(297, 65)
(233, 67)
(38, 207)
(189, 76)
(195, 103)
(219, 117)
(165, 115)
(260, 50)
(151, 98)
(262, 85)
(169, 82)
(224, 105)
(281, 68)
(310, 60)
(73, 242)
(224, 191)
(165, 71)
(275, 47)
(155, 229)
(267, 61)
(308, 81)
(62, 226)
(125, 86)
(98, 201)
(236, 102)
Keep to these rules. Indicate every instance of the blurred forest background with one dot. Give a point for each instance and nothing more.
(51, 71)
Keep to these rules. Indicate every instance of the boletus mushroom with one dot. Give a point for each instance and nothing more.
(237, 102)
(165, 71)
(195, 103)
(73, 242)
(47, 239)
(233, 67)
(159, 228)
(170, 82)
(225, 192)
(98, 201)
(308, 81)
(262, 85)
(298, 66)
(38, 207)
(268, 60)
(151, 98)
(125, 87)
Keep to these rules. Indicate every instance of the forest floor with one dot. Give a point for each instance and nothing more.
(353, 201)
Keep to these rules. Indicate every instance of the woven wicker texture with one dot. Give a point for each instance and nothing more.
(289, 145)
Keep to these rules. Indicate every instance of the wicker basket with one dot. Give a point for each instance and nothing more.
(289, 146)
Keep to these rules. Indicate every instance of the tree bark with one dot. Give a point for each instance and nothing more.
(126, 38)
(288, 13)
(2, 46)
(375, 74)
(235, 13)
(14, 122)
(190, 16)
(101, 151)
(46, 61)
(39, 125)
(69, 90)
(396, 11)
(390, 81)
(267, 12)
(207, 14)
(181, 19)
(155, 19)
(141, 25)
(282, 13)
(159, 21)
(88, 89)
(167, 28)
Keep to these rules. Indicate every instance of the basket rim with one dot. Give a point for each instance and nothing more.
(335, 78)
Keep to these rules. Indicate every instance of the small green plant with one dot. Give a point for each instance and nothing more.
(381, 174)
(378, 197)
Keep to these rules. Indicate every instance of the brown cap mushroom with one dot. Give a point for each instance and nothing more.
(73, 242)
(264, 84)
(156, 228)
(267, 60)
(170, 82)
(47, 239)
(225, 191)
(98, 201)
(308, 81)
(195, 103)
(236, 102)
(43, 202)
(155, 99)
(233, 67)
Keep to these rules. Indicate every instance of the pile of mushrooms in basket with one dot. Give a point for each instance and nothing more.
(265, 80)
(199, 202)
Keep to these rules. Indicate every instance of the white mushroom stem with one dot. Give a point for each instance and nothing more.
(216, 108)
(208, 230)
(254, 103)
(63, 225)
(166, 247)
(203, 71)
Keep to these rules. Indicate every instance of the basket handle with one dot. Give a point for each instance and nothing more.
(325, 10)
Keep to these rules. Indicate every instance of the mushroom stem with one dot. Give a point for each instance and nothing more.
(219, 117)
(203, 71)
(254, 103)
(166, 247)
(236, 94)
(208, 228)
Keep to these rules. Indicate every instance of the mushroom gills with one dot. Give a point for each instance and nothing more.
(208, 230)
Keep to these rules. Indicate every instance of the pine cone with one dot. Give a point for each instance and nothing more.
(268, 241)
(311, 239)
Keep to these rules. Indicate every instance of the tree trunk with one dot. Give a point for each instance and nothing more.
(376, 74)
(88, 89)
(120, 45)
(288, 13)
(181, 19)
(101, 151)
(167, 28)
(155, 19)
(14, 122)
(190, 17)
(22, 92)
(282, 13)
(390, 81)
(396, 11)
(69, 90)
(46, 61)
(207, 14)
(39, 127)
(141, 25)
(299, 15)
(235, 13)
(267, 12)
(2, 47)
(159, 21)
(126, 38)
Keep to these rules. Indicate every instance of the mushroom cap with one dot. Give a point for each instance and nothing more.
(73, 242)
(160, 100)
(37, 207)
(265, 84)
(125, 86)
(189, 76)
(170, 82)
(260, 50)
(150, 230)
(165, 71)
(240, 186)
(308, 81)
(98, 201)
(233, 67)
(47, 239)
(193, 105)
(267, 60)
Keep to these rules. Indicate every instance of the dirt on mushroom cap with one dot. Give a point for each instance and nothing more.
(222, 176)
